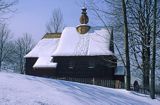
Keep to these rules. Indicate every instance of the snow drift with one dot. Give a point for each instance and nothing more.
(16, 89)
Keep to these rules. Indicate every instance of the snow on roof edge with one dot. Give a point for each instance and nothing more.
(45, 62)
(45, 47)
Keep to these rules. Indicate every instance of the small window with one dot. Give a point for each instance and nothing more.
(91, 64)
(71, 64)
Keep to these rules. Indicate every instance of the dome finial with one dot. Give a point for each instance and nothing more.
(83, 27)
(84, 18)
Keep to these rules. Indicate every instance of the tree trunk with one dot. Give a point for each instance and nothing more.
(111, 41)
(126, 45)
(146, 34)
(152, 75)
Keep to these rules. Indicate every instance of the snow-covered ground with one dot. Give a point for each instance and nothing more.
(16, 89)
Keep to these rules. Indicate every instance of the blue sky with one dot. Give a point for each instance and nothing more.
(32, 15)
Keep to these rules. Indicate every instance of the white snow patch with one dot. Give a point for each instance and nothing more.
(94, 42)
(44, 62)
(44, 47)
(16, 89)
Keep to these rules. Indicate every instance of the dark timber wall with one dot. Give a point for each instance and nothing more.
(29, 66)
(77, 67)
(43, 72)
(86, 66)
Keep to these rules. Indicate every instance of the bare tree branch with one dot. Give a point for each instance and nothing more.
(55, 24)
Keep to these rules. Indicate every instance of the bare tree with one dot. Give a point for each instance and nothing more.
(55, 24)
(22, 46)
(5, 49)
(6, 6)
(140, 28)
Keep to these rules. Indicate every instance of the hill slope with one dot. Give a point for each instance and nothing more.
(16, 89)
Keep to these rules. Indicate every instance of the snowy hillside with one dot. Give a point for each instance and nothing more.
(16, 89)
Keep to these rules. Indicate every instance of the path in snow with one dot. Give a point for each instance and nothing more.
(16, 89)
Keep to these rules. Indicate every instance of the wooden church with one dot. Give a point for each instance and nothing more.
(83, 52)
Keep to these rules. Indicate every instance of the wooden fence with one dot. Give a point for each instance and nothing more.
(106, 83)
(95, 81)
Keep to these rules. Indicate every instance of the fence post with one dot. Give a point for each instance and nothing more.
(93, 81)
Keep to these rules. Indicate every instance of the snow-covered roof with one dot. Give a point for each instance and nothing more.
(95, 42)
(43, 51)
(45, 62)
(45, 47)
